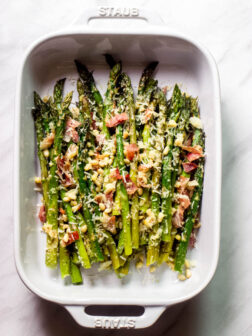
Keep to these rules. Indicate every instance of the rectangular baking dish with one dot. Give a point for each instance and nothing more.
(181, 60)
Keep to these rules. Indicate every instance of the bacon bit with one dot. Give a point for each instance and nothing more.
(192, 240)
(109, 223)
(47, 141)
(70, 132)
(117, 119)
(63, 172)
(195, 149)
(72, 237)
(128, 183)
(109, 196)
(193, 156)
(115, 174)
(131, 150)
(147, 115)
(143, 168)
(42, 214)
(100, 138)
(183, 183)
(62, 211)
(184, 201)
(189, 166)
(93, 124)
(177, 218)
(99, 198)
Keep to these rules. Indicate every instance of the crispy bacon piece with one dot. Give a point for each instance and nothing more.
(193, 156)
(93, 124)
(47, 141)
(129, 184)
(100, 138)
(177, 218)
(70, 132)
(189, 166)
(131, 150)
(72, 237)
(147, 115)
(184, 201)
(109, 223)
(195, 149)
(63, 172)
(183, 183)
(42, 214)
(117, 119)
(62, 211)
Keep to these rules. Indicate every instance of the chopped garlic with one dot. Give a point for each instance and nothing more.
(37, 180)
(192, 184)
(102, 206)
(83, 228)
(46, 153)
(187, 263)
(181, 277)
(179, 140)
(110, 187)
(125, 134)
(166, 150)
(172, 123)
(66, 238)
(45, 99)
(76, 207)
(188, 274)
(71, 152)
(160, 217)
(71, 194)
(196, 122)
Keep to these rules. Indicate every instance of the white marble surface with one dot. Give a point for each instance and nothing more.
(225, 306)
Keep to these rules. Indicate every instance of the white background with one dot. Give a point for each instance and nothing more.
(225, 27)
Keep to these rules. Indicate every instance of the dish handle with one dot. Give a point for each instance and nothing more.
(129, 13)
(149, 316)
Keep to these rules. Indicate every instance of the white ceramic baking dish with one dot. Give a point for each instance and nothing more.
(181, 60)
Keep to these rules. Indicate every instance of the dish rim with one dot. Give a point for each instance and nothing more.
(146, 31)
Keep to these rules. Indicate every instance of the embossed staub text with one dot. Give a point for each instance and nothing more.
(115, 323)
(118, 12)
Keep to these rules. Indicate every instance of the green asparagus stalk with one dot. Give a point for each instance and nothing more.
(75, 273)
(198, 139)
(52, 213)
(167, 169)
(79, 176)
(74, 226)
(38, 117)
(155, 235)
(64, 258)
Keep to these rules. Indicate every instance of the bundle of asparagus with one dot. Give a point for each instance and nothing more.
(120, 179)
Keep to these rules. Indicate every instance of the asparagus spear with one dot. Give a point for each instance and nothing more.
(75, 273)
(167, 169)
(155, 235)
(198, 139)
(52, 213)
(38, 117)
(73, 224)
(91, 91)
(80, 177)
